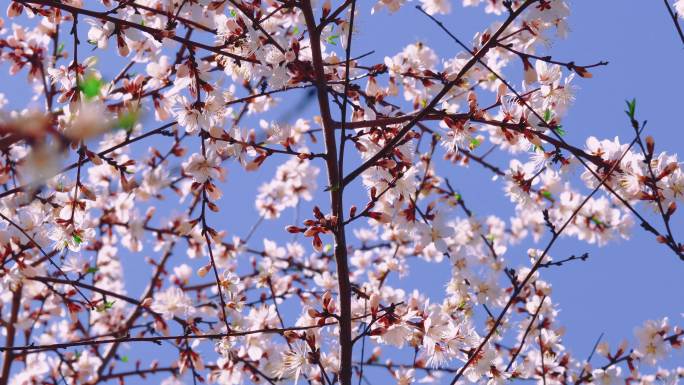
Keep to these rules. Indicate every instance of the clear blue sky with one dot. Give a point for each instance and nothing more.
(621, 285)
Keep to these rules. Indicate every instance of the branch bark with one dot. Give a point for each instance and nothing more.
(433, 103)
(11, 332)
(156, 33)
(336, 188)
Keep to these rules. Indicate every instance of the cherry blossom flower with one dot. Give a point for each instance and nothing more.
(436, 6)
(679, 6)
(172, 302)
(202, 168)
(294, 362)
(651, 340)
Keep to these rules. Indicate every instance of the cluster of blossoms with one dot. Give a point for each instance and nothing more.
(92, 198)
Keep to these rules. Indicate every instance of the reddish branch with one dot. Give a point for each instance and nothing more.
(111, 351)
(11, 332)
(436, 99)
(336, 187)
(101, 154)
(582, 156)
(159, 339)
(156, 33)
(535, 267)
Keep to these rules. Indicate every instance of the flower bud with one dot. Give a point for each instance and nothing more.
(650, 145)
(202, 271)
(374, 304)
(671, 208)
(379, 216)
(313, 313)
(317, 243)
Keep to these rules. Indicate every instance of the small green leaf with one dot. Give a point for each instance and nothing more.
(128, 119)
(327, 248)
(547, 115)
(559, 130)
(92, 270)
(474, 143)
(295, 31)
(60, 49)
(77, 239)
(91, 86)
(631, 107)
(124, 358)
(106, 305)
(547, 195)
(457, 196)
(331, 39)
(597, 221)
(462, 305)
(233, 13)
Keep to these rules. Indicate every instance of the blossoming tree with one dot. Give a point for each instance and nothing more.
(85, 173)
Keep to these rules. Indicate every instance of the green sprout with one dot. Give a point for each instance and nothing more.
(559, 130)
(91, 86)
(128, 119)
(631, 108)
(331, 39)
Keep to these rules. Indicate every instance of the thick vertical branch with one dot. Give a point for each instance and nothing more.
(11, 332)
(335, 197)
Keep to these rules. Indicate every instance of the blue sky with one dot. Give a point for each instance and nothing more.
(620, 285)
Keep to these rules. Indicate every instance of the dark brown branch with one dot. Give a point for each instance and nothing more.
(675, 21)
(9, 336)
(335, 197)
(433, 103)
(535, 267)
(156, 33)
(527, 331)
(72, 166)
